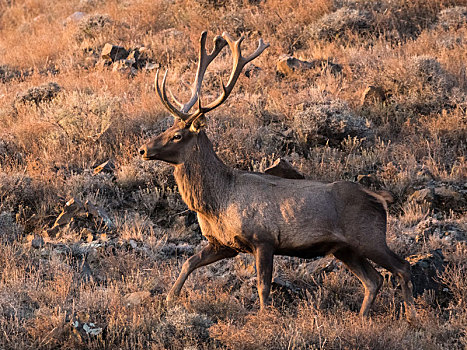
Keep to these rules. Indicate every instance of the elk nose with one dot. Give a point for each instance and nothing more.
(143, 150)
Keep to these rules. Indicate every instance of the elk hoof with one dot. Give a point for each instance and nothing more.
(171, 299)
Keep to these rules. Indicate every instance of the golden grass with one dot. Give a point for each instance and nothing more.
(48, 151)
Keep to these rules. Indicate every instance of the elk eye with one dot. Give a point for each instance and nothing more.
(177, 137)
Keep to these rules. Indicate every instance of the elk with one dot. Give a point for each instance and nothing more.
(265, 215)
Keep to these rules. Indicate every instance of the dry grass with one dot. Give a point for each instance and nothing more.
(415, 50)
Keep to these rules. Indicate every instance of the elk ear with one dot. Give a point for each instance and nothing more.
(198, 124)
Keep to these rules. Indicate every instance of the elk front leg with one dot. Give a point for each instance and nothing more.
(264, 263)
(209, 254)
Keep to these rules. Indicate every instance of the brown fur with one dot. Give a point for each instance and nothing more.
(265, 215)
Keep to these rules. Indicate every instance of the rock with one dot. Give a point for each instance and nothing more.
(282, 168)
(288, 64)
(373, 94)
(151, 66)
(82, 327)
(283, 284)
(124, 66)
(106, 167)
(75, 208)
(38, 94)
(133, 244)
(74, 18)
(284, 290)
(172, 249)
(442, 197)
(126, 61)
(425, 271)
(113, 52)
(136, 298)
(321, 266)
(133, 56)
(252, 71)
(91, 329)
(425, 195)
(72, 207)
(447, 231)
(99, 213)
(37, 242)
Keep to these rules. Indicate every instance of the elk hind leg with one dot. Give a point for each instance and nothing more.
(208, 255)
(365, 272)
(264, 263)
(400, 268)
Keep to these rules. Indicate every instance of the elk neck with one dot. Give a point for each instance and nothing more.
(204, 181)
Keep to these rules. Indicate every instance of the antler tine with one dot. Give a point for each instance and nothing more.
(203, 62)
(238, 63)
(165, 101)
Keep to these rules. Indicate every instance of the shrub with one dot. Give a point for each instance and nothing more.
(453, 17)
(329, 120)
(336, 25)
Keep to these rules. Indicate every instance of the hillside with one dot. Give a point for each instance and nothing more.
(92, 237)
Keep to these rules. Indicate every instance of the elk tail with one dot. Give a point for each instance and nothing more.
(384, 197)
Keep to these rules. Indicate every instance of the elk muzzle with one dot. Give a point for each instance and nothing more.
(143, 151)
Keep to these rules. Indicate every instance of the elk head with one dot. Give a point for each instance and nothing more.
(172, 145)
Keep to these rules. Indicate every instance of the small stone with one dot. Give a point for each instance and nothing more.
(72, 207)
(114, 52)
(74, 18)
(100, 213)
(151, 66)
(423, 195)
(124, 66)
(288, 65)
(92, 329)
(37, 242)
(133, 244)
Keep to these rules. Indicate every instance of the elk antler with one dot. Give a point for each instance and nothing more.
(204, 60)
